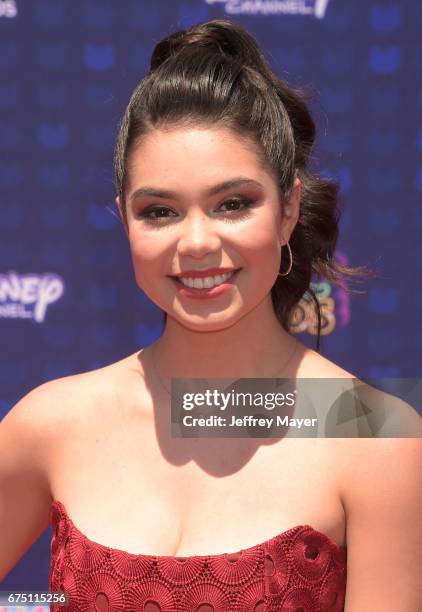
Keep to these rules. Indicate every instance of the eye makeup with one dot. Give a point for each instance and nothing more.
(159, 214)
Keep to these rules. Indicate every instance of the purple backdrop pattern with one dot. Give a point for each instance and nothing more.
(68, 298)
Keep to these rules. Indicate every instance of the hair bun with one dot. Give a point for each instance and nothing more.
(219, 36)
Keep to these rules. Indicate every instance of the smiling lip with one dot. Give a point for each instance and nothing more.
(203, 273)
(205, 293)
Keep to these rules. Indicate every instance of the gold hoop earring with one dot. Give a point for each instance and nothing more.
(291, 261)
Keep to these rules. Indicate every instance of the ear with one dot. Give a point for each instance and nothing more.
(122, 219)
(291, 211)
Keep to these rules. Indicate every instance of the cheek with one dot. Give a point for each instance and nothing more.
(259, 242)
(147, 261)
(147, 250)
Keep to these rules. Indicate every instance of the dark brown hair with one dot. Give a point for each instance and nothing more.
(215, 74)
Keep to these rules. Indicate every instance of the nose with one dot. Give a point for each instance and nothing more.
(198, 236)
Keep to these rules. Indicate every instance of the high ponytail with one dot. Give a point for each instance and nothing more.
(215, 74)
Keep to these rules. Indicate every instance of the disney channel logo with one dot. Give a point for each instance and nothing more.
(317, 8)
(18, 291)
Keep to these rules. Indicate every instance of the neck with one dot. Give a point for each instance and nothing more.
(256, 346)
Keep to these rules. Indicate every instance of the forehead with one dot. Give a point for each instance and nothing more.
(187, 151)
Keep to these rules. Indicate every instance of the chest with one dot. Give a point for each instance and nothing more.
(127, 484)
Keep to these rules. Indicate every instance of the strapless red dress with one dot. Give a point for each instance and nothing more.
(299, 570)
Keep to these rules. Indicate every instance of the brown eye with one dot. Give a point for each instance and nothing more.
(159, 213)
(235, 204)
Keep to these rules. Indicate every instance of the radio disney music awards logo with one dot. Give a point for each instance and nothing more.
(317, 8)
(27, 296)
(304, 317)
(334, 306)
(8, 8)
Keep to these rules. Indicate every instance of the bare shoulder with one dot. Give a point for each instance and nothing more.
(315, 365)
(378, 480)
(49, 408)
(28, 433)
(369, 411)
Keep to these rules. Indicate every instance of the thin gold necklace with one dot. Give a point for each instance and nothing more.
(160, 380)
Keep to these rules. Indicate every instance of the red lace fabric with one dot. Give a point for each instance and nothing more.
(299, 570)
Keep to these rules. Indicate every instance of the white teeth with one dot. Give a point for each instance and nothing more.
(207, 282)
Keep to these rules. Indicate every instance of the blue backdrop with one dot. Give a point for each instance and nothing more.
(68, 298)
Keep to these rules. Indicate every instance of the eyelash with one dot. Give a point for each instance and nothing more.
(246, 202)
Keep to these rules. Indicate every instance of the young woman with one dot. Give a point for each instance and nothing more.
(226, 224)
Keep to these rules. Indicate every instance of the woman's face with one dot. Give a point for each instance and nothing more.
(197, 226)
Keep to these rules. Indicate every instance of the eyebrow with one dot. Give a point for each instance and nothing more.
(163, 193)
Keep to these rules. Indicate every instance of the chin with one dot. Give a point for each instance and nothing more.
(211, 323)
